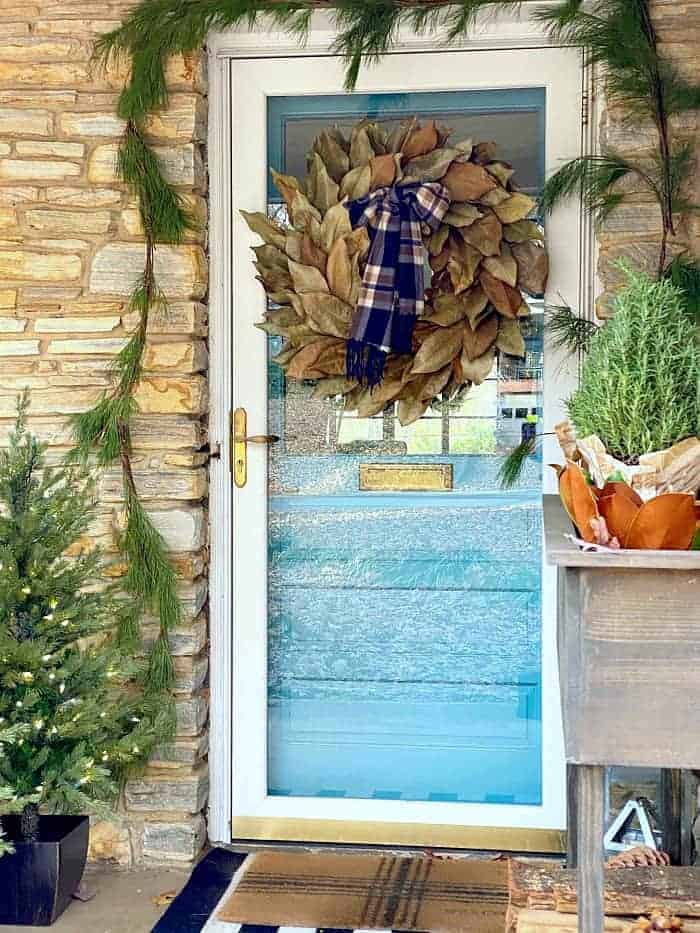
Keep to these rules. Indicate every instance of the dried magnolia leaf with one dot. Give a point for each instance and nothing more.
(335, 224)
(475, 306)
(399, 135)
(475, 343)
(285, 355)
(467, 182)
(484, 234)
(339, 271)
(503, 267)
(300, 210)
(383, 171)
(433, 384)
(579, 500)
(411, 410)
(305, 360)
(494, 196)
(355, 280)
(618, 509)
(506, 300)
(523, 230)
(312, 255)
(332, 360)
(322, 190)
(368, 404)
(438, 349)
(358, 242)
(265, 228)
(421, 141)
(307, 223)
(666, 523)
(484, 152)
(307, 278)
(517, 207)
(463, 265)
(356, 183)
(334, 385)
(268, 255)
(378, 138)
(447, 310)
(430, 167)
(533, 268)
(361, 151)
(501, 171)
(477, 370)
(335, 158)
(287, 185)
(327, 314)
(274, 278)
(461, 215)
(439, 262)
(279, 320)
(437, 241)
(292, 245)
(465, 146)
(510, 339)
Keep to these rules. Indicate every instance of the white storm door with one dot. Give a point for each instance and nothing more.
(394, 669)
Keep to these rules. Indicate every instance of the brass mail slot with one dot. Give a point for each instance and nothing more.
(396, 477)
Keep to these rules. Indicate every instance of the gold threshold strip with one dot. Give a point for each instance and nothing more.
(512, 839)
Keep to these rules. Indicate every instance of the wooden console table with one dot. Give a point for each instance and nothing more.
(629, 668)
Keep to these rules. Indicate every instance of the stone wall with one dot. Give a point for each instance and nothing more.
(70, 247)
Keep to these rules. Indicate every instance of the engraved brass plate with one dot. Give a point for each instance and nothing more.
(397, 477)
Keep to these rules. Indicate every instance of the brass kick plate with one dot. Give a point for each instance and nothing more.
(396, 477)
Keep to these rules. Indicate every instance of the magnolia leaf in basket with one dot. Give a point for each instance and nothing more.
(478, 369)
(533, 268)
(430, 167)
(361, 151)
(304, 361)
(336, 223)
(287, 185)
(300, 210)
(494, 197)
(517, 207)
(265, 228)
(579, 500)
(475, 343)
(510, 339)
(501, 170)
(665, 523)
(448, 309)
(356, 183)
(438, 240)
(335, 158)
(312, 255)
(475, 306)
(467, 182)
(306, 278)
(327, 314)
(410, 410)
(438, 349)
(339, 271)
(618, 503)
(422, 140)
(322, 190)
(506, 300)
(503, 267)
(334, 385)
(382, 171)
(485, 234)
(523, 230)
(461, 215)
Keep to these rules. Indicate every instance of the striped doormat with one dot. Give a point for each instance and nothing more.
(330, 892)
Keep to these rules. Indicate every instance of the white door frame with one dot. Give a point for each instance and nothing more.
(511, 32)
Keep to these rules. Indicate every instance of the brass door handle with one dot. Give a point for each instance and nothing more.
(239, 445)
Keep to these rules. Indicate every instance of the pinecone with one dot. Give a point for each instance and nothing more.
(658, 920)
(639, 857)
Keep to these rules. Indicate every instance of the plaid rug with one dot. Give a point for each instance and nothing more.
(281, 891)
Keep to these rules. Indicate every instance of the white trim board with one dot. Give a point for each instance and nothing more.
(493, 33)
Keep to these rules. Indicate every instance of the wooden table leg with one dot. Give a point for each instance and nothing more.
(591, 793)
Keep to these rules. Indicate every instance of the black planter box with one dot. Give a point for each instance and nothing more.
(39, 879)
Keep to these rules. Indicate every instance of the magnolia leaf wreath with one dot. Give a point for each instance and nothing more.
(321, 272)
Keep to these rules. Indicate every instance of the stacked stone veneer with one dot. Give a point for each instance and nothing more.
(70, 247)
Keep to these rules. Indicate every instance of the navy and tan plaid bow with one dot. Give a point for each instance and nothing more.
(393, 286)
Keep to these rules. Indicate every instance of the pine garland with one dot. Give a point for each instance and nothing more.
(617, 34)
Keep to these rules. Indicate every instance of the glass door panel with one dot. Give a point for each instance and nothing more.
(404, 637)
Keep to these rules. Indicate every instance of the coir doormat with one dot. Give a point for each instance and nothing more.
(381, 892)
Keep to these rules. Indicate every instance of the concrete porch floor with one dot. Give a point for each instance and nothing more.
(123, 902)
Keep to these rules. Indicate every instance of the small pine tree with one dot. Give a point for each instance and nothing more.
(73, 719)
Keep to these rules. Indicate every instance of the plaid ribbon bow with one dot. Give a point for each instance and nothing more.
(393, 286)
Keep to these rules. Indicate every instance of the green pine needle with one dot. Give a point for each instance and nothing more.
(514, 464)
(591, 178)
(567, 331)
(685, 275)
